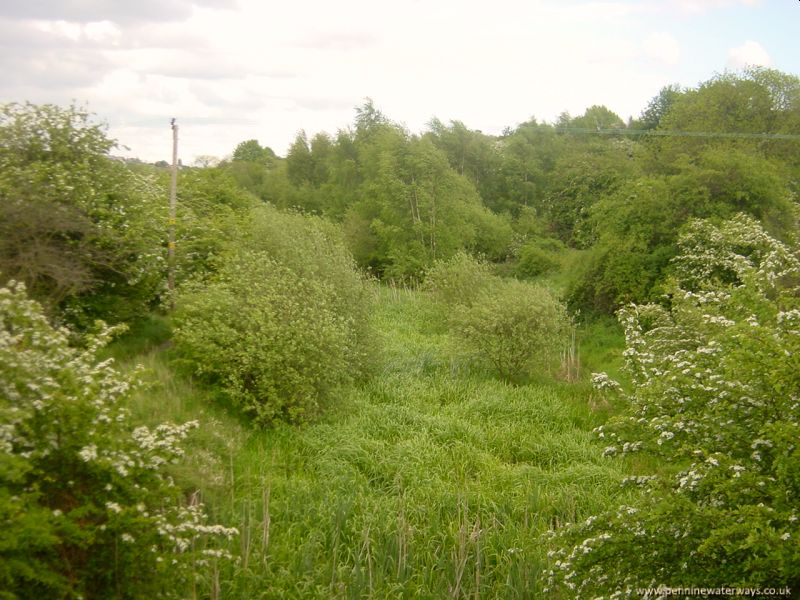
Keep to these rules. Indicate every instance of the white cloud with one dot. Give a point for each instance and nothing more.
(748, 54)
(102, 32)
(662, 47)
(234, 70)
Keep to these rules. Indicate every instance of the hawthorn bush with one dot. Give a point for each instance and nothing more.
(80, 229)
(86, 501)
(716, 400)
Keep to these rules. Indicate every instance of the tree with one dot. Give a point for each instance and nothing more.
(471, 154)
(78, 226)
(299, 163)
(527, 156)
(415, 209)
(251, 151)
(716, 382)
(637, 224)
(658, 107)
(597, 117)
(369, 119)
(755, 101)
(88, 507)
(204, 161)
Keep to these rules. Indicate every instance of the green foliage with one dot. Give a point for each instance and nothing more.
(518, 328)
(416, 209)
(637, 225)
(471, 154)
(265, 337)
(585, 171)
(315, 249)
(595, 117)
(538, 257)
(756, 100)
(281, 323)
(76, 226)
(716, 382)
(87, 504)
(459, 280)
(526, 159)
(658, 107)
(211, 212)
(251, 151)
(423, 483)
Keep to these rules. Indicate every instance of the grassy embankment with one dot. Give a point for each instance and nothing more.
(433, 480)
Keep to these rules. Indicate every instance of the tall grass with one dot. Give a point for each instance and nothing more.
(430, 481)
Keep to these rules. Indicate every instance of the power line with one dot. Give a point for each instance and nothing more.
(672, 133)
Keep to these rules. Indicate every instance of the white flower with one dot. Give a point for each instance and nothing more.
(88, 453)
(786, 536)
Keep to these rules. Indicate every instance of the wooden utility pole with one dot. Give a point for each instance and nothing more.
(173, 199)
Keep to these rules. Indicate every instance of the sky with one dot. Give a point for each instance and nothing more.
(234, 70)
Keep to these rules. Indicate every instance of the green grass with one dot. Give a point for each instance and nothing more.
(432, 480)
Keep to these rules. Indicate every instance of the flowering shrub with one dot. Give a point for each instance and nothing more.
(716, 398)
(86, 505)
(82, 230)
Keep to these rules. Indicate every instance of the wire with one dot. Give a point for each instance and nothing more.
(670, 133)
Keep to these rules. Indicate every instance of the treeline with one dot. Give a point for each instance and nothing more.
(405, 200)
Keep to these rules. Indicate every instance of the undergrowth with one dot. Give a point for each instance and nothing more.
(432, 480)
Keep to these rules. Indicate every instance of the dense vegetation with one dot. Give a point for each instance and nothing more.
(391, 368)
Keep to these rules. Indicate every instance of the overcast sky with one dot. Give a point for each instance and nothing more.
(232, 70)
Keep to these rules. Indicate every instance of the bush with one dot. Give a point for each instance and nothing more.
(535, 259)
(514, 326)
(458, 280)
(87, 507)
(210, 213)
(79, 228)
(282, 323)
(716, 382)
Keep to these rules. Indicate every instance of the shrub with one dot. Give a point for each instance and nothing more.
(716, 383)
(210, 212)
(88, 509)
(535, 259)
(282, 322)
(269, 338)
(458, 280)
(79, 228)
(514, 326)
